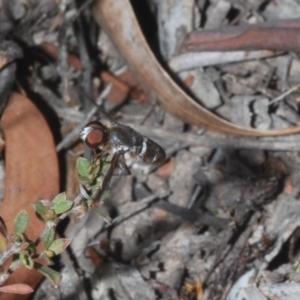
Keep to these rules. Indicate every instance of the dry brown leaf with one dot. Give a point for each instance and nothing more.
(189, 80)
(166, 169)
(119, 21)
(288, 186)
(122, 85)
(31, 173)
(19, 288)
(195, 288)
(94, 256)
(3, 61)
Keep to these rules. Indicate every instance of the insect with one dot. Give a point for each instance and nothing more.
(117, 139)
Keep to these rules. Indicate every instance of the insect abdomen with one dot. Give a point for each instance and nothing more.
(151, 153)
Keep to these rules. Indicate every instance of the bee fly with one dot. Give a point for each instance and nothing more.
(117, 139)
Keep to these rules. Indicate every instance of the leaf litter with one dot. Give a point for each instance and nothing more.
(220, 219)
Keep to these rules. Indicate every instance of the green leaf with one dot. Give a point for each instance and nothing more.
(98, 184)
(54, 277)
(84, 192)
(104, 215)
(62, 207)
(82, 167)
(40, 208)
(50, 214)
(61, 204)
(21, 221)
(59, 198)
(49, 253)
(32, 248)
(105, 166)
(27, 261)
(17, 288)
(84, 180)
(95, 168)
(47, 259)
(41, 218)
(19, 238)
(49, 238)
(59, 246)
(105, 194)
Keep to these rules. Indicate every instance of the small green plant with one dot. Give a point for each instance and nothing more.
(20, 250)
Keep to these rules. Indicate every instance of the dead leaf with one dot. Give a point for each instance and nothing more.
(122, 85)
(195, 288)
(112, 15)
(166, 169)
(31, 173)
(189, 80)
(19, 288)
(3, 61)
(94, 256)
(288, 186)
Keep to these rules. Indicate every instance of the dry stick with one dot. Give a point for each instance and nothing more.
(138, 207)
(14, 249)
(227, 290)
(213, 140)
(86, 63)
(75, 133)
(191, 215)
(63, 62)
(14, 267)
(292, 89)
(81, 9)
(277, 36)
(192, 60)
(107, 77)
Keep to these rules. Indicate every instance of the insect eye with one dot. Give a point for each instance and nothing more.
(93, 134)
(94, 138)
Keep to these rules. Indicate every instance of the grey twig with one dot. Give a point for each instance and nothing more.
(193, 60)
(137, 207)
(75, 133)
(213, 140)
